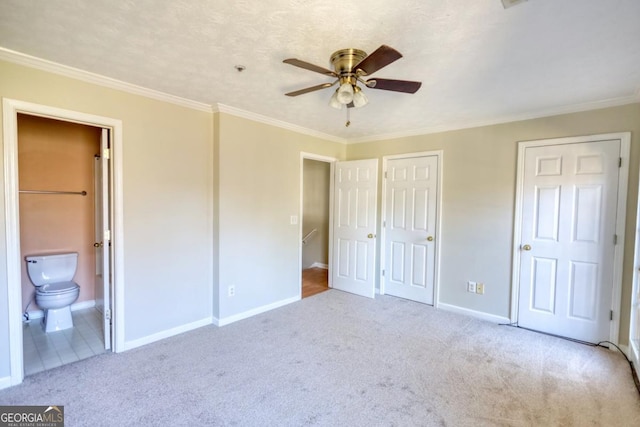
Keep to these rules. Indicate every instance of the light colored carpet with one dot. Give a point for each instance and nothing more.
(340, 360)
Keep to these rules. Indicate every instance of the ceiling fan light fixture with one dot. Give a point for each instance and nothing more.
(359, 98)
(345, 93)
(334, 101)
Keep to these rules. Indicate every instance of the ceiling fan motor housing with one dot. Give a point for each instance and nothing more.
(344, 60)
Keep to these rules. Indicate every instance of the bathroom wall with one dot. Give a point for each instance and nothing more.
(57, 156)
(315, 212)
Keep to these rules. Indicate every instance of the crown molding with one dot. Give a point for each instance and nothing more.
(86, 76)
(222, 108)
(567, 109)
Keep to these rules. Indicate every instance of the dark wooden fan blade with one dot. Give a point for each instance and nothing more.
(394, 85)
(307, 66)
(383, 56)
(309, 89)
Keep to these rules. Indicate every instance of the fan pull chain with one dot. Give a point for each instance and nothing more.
(348, 120)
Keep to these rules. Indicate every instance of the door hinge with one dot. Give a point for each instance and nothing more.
(611, 315)
(384, 223)
(383, 272)
(107, 235)
(620, 162)
(106, 154)
(385, 174)
(107, 314)
(615, 239)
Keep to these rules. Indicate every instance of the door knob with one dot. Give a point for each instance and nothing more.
(430, 238)
(97, 245)
(370, 236)
(526, 247)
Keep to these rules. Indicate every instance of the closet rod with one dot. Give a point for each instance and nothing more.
(79, 193)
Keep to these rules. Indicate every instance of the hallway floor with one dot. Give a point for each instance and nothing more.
(314, 281)
(46, 351)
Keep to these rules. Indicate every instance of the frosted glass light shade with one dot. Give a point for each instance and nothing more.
(345, 93)
(360, 99)
(334, 101)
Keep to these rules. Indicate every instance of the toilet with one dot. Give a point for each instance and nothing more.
(55, 291)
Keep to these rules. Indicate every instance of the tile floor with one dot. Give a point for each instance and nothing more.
(45, 351)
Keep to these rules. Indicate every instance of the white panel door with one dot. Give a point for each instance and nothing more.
(354, 226)
(567, 248)
(410, 227)
(102, 246)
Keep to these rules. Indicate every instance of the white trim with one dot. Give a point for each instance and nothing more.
(259, 310)
(5, 382)
(332, 161)
(129, 345)
(319, 265)
(12, 229)
(97, 79)
(278, 123)
(623, 182)
(39, 314)
(568, 109)
(11, 108)
(439, 154)
(473, 313)
(624, 348)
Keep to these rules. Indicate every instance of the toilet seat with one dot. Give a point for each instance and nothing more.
(59, 288)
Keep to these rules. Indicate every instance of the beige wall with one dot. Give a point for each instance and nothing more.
(167, 160)
(207, 201)
(478, 198)
(259, 185)
(315, 212)
(57, 156)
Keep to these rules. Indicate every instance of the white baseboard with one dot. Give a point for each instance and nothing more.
(39, 314)
(473, 313)
(319, 265)
(129, 345)
(624, 348)
(5, 382)
(255, 311)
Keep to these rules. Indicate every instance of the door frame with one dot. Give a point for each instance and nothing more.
(11, 108)
(332, 163)
(621, 212)
(439, 154)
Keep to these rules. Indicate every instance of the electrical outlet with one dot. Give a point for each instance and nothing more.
(471, 287)
(480, 289)
(232, 290)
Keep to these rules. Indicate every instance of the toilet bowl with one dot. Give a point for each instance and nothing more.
(55, 292)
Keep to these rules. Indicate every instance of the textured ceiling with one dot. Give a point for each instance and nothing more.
(478, 62)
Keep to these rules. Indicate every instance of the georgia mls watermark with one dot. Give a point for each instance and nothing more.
(31, 416)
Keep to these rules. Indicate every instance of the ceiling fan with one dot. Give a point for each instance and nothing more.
(350, 67)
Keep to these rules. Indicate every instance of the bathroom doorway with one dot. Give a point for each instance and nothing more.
(97, 232)
(60, 211)
(316, 173)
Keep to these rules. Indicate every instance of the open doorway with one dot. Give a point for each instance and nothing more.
(60, 211)
(109, 325)
(315, 224)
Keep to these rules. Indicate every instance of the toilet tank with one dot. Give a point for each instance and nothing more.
(43, 269)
